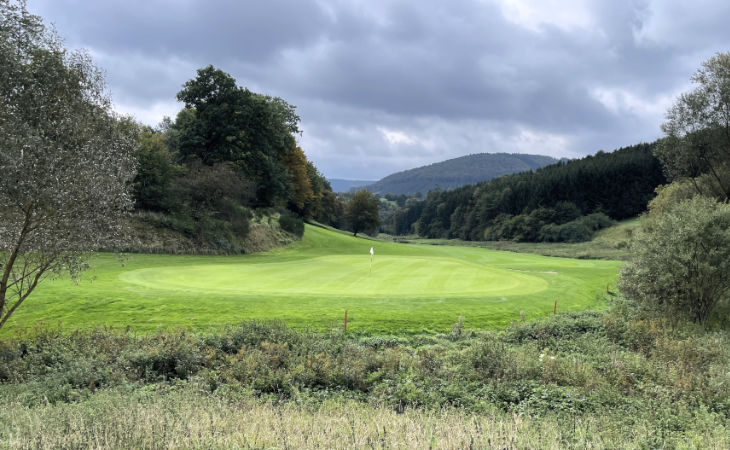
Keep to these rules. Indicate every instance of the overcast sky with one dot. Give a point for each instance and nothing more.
(387, 85)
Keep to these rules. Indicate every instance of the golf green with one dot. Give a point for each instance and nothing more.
(408, 288)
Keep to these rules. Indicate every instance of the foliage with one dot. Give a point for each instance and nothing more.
(681, 260)
(66, 160)
(225, 123)
(362, 212)
(229, 151)
(697, 140)
(617, 184)
(300, 178)
(208, 202)
(610, 243)
(292, 223)
(610, 371)
(155, 171)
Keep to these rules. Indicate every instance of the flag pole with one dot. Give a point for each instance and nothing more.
(371, 260)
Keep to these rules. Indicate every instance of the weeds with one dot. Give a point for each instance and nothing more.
(593, 370)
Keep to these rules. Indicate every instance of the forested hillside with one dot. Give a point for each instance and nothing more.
(566, 201)
(457, 172)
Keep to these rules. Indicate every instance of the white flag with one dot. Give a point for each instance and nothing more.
(371, 251)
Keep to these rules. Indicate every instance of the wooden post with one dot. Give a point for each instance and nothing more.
(607, 292)
(345, 320)
(555, 308)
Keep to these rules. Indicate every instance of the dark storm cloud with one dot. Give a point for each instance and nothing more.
(387, 85)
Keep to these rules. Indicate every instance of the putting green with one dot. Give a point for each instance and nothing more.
(310, 284)
(343, 275)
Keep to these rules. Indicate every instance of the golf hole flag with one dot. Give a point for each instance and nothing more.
(372, 252)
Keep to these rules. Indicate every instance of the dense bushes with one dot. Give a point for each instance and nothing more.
(587, 362)
(292, 223)
(561, 224)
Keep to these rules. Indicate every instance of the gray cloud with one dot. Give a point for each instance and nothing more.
(387, 85)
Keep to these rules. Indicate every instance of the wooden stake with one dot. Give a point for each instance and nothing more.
(555, 308)
(607, 292)
(345, 320)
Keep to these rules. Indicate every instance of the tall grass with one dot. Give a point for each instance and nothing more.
(186, 418)
(590, 380)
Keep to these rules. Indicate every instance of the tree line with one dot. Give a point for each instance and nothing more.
(566, 201)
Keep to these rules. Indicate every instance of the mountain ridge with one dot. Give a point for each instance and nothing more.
(456, 172)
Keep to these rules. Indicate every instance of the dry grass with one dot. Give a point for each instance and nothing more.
(187, 419)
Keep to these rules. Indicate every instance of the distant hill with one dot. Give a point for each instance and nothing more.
(340, 185)
(453, 173)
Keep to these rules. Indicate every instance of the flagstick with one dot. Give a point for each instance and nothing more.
(371, 264)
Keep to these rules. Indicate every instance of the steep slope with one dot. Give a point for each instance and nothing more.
(457, 172)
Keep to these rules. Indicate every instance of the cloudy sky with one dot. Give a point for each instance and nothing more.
(386, 85)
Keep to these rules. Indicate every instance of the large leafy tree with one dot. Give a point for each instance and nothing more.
(66, 161)
(362, 212)
(697, 144)
(226, 123)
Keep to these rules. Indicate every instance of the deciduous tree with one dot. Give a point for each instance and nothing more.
(66, 162)
(362, 212)
(698, 130)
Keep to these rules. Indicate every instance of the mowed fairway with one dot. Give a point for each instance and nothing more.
(412, 288)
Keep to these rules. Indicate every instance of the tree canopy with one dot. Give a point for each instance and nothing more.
(66, 161)
(698, 130)
(362, 212)
(222, 122)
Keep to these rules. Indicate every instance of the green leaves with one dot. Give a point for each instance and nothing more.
(681, 260)
(66, 160)
(698, 141)
(362, 212)
(226, 123)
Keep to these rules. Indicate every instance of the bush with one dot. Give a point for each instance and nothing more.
(680, 262)
(290, 222)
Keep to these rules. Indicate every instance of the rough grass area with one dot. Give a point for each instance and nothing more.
(589, 380)
(610, 243)
(310, 284)
(186, 418)
(155, 233)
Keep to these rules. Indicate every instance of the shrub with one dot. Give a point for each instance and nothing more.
(680, 262)
(288, 221)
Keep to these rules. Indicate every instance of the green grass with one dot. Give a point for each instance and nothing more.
(412, 288)
(610, 243)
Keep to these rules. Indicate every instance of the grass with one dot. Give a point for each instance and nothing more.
(181, 419)
(610, 243)
(579, 380)
(412, 288)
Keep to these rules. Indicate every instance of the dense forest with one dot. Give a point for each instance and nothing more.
(566, 201)
(456, 172)
(227, 153)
